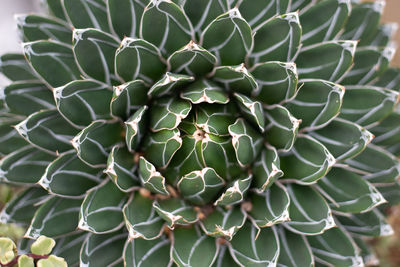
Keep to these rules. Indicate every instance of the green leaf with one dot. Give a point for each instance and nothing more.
(55, 8)
(101, 210)
(165, 25)
(25, 98)
(82, 102)
(103, 250)
(349, 192)
(139, 252)
(256, 12)
(139, 59)
(228, 37)
(295, 250)
(191, 247)
(246, 141)
(24, 166)
(224, 222)
(86, 14)
(7, 250)
(235, 193)
(121, 168)
(128, 98)
(94, 52)
(204, 91)
(69, 177)
(125, 15)
(46, 56)
(151, 178)
(266, 169)
(363, 21)
(391, 192)
(167, 113)
(192, 59)
(376, 165)
(94, 142)
(52, 261)
(169, 83)
(224, 258)
(69, 247)
(35, 27)
(215, 119)
(335, 247)
(369, 63)
(55, 217)
(200, 187)
(161, 146)
(309, 212)
(387, 132)
(390, 79)
(343, 139)
(175, 211)
(270, 207)
(366, 105)
(324, 20)
(251, 110)
(235, 79)
(328, 60)
(21, 209)
(277, 39)
(372, 223)
(16, 68)
(43, 246)
(366, 252)
(307, 162)
(253, 246)
(277, 82)
(281, 127)
(135, 128)
(299, 4)
(317, 103)
(145, 224)
(382, 36)
(25, 261)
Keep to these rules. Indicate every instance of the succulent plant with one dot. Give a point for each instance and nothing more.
(203, 133)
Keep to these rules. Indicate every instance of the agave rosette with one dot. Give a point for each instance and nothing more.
(203, 133)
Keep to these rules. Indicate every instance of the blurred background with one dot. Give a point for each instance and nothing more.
(387, 248)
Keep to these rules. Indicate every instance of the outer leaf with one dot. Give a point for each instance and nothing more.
(47, 56)
(56, 217)
(10, 140)
(169, 83)
(235, 79)
(307, 162)
(95, 141)
(366, 105)
(228, 37)
(342, 138)
(235, 192)
(391, 192)
(204, 91)
(276, 39)
(335, 247)
(270, 207)
(387, 131)
(135, 128)
(94, 51)
(266, 169)
(151, 178)
(82, 102)
(192, 248)
(277, 82)
(103, 250)
(86, 14)
(101, 210)
(317, 103)
(16, 68)
(368, 256)
(259, 11)
(248, 247)
(382, 35)
(24, 166)
(69, 177)
(167, 113)
(145, 224)
(138, 59)
(390, 79)
(348, 192)
(309, 212)
(175, 211)
(68, 247)
(328, 60)
(165, 25)
(252, 110)
(141, 253)
(55, 8)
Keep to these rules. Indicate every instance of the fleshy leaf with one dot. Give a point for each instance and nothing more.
(175, 211)
(256, 12)
(391, 192)
(52, 261)
(200, 187)
(387, 132)
(299, 4)
(309, 212)
(82, 102)
(224, 259)
(382, 36)
(94, 51)
(8, 250)
(16, 68)
(94, 142)
(25, 261)
(86, 14)
(266, 169)
(101, 210)
(43, 245)
(167, 113)
(145, 224)
(369, 257)
(69, 177)
(55, 8)
(169, 83)
(235, 79)
(138, 59)
(307, 162)
(151, 178)
(204, 91)
(234, 193)
(390, 79)
(215, 119)
(252, 110)
(229, 37)
(191, 247)
(10, 140)
(55, 217)
(135, 128)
